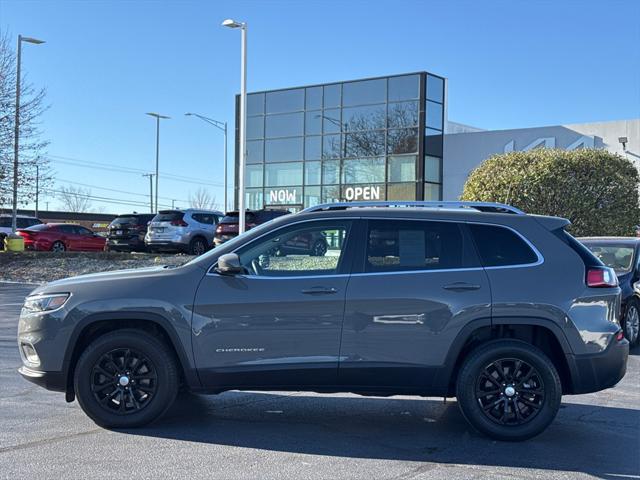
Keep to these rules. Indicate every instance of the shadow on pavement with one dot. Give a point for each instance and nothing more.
(599, 441)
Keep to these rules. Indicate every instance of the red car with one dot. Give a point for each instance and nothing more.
(58, 237)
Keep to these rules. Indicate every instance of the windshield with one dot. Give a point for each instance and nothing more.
(233, 217)
(618, 257)
(40, 226)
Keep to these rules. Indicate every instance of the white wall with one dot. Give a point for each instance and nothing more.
(465, 151)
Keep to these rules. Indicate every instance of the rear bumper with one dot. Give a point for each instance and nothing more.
(50, 380)
(126, 243)
(220, 239)
(595, 372)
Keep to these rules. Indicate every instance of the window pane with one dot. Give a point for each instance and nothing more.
(255, 104)
(403, 114)
(370, 170)
(313, 100)
(255, 127)
(435, 88)
(283, 150)
(331, 147)
(253, 198)
(311, 196)
(277, 174)
(255, 151)
(404, 245)
(401, 191)
(432, 168)
(402, 169)
(364, 144)
(432, 191)
(312, 148)
(500, 246)
(283, 196)
(313, 123)
(364, 92)
(309, 249)
(404, 88)
(371, 117)
(285, 101)
(287, 125)
(331, 172)
(312, 173)
(402, 140)
(434, 115)
(352, 193)
(330, 194)
(331, 121)
(253, 175)
(433, 142)
(331, 96)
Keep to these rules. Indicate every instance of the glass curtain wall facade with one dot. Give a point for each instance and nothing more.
(373, 139)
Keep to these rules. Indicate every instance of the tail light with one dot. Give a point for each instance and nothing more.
(179, 223)
(601, 277)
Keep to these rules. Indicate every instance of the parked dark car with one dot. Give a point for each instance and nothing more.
(228, 226)
(505, 311)
(126, 232)
(60, 237)
(623, 255)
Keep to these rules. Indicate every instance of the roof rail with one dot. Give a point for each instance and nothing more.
(479, 206)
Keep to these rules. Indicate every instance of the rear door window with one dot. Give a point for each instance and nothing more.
(500, 246)
(406, 245)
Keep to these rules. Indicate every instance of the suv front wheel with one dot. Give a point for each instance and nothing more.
(125, 379)
(509, 390)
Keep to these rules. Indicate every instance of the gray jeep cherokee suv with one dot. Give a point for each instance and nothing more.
(503, 310)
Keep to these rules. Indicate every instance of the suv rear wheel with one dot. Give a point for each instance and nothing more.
(125, 379)
(509, 390)
(197, 246)
(632, 322)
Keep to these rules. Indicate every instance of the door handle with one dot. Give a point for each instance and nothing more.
(319, 291)
(461, 286)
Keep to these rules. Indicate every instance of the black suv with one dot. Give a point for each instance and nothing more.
(228, 226)
(126, 232)
(505, 311)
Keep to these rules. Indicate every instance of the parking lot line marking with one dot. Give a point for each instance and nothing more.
(37, 443)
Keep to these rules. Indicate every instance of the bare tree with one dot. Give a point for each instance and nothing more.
(32, 145)
(202, 199)
(74, 199)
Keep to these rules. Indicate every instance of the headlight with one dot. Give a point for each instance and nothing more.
(45, 303)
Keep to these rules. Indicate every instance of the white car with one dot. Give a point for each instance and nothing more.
(23, 221)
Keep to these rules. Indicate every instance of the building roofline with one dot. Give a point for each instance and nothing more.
(558, 125)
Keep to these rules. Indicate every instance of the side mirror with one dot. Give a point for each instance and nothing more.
(229, 264)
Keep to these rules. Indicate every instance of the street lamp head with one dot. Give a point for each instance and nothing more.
(31, 40)
(157, 115)
(232, 23)
(188, 114)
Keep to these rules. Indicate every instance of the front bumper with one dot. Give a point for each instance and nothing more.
(595, 372)
(50, 380)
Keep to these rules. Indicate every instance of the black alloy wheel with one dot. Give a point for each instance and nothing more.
(124, 381)
(197, 247)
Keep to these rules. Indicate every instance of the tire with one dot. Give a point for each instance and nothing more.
(319, 249)
(154, 366)
(631, 323)
(509, 419)
(58, 246)
(197, 246)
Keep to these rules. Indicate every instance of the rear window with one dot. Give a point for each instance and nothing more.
(5, 222)
(168, 216)
(499, 246)
(233, 217)
(40, 226)
(405, 245)
(618, 257)
(131, 220)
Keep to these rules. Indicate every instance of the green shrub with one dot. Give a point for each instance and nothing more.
(595, 189)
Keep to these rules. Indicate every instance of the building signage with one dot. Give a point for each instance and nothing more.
(371, 192)
(282, 195)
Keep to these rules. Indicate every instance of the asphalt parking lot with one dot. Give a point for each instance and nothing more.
(304, 435)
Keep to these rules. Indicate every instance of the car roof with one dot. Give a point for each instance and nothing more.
(192, 210)
(611, 240)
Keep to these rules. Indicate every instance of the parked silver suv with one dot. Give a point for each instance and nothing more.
(189, 230)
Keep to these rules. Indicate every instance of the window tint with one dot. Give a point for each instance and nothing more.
(206, 218)
(168, 216)
(68, 229)
(499, 246)
(23, 222)
(314, 248)
(405, 245)
(285, 101)
(83, 231)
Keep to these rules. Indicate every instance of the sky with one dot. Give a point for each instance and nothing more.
(510, 64)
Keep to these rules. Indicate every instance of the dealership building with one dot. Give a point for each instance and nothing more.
(384, 138)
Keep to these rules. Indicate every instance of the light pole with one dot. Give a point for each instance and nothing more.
(157, 116)
(243, 118)
(16, 132)
(150, 175)
(220, 126)
(37, 188)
